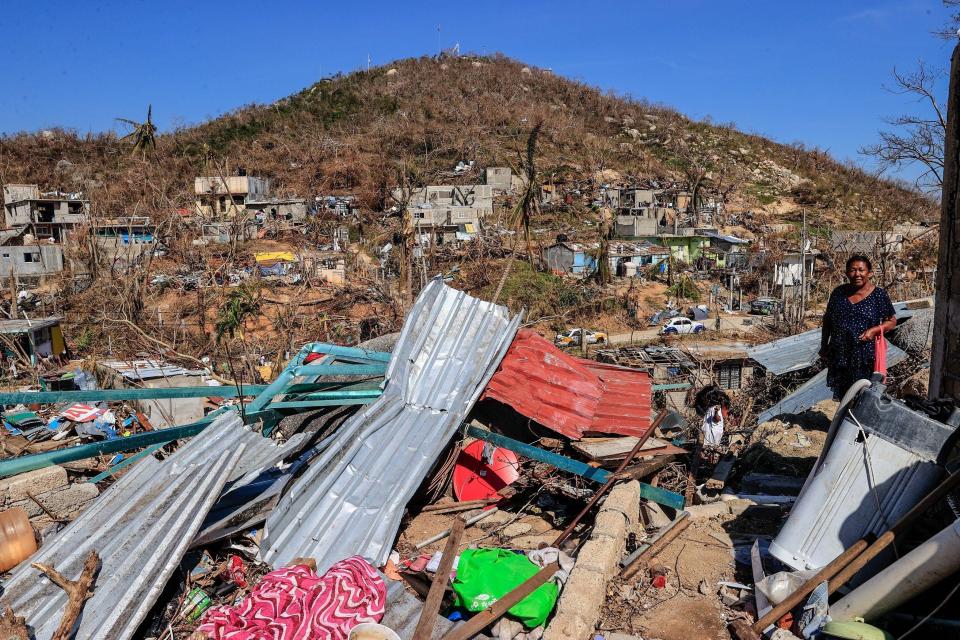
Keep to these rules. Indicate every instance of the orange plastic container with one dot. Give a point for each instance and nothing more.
(16, 538)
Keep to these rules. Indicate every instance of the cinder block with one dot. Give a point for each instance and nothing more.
(600, 556)
(624, 497)
(579, 606)
(36, 482)
(65, 503)
(706, 511)
(610, 525)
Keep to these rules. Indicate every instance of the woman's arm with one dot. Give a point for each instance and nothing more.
(888, 323)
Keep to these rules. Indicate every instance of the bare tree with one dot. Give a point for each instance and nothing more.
(915, 139)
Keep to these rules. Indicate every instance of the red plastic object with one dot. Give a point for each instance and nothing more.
(474, 479)
(572, 396)
(659, 582)
(237, 571)
(311, 357)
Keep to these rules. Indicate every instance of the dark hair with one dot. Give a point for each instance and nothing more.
(859, 258)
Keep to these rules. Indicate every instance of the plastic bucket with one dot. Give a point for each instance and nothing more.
(17, 542)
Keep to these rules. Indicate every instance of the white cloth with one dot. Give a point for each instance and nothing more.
(713, 426)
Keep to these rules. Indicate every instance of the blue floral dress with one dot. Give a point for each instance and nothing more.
(849, 359)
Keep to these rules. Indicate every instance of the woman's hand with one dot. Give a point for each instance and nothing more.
(869, 334)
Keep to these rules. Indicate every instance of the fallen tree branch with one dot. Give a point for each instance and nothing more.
(78, 592)
(170, 349)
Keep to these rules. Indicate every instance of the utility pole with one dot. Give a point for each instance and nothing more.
(945, 359)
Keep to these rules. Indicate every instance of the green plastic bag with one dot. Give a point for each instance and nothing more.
(486, 575)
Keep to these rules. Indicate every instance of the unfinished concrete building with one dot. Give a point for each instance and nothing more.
(124, 239)
(227, 197)
(283, 211)
(446, 214)
(50, 215)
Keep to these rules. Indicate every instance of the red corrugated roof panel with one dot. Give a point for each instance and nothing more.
(570, 395)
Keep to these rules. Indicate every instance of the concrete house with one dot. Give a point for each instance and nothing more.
(27, 260)
(564, 258)
(48, 215)
(638, 224)
(124, 238)
(683, 246)
(448, 213)
(218, 197)
(502, 180)
(283, 211)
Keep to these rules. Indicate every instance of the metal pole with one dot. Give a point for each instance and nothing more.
(612, 480)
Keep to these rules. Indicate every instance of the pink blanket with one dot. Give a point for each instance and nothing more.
(295, 604)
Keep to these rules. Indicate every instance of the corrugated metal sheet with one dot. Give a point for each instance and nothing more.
(816, 390)
(351, 498)
(141, 526)
(148, 369)
(570, 395)
(787, 354)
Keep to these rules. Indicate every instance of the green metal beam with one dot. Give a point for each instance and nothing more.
(47, 397)
(22, 464)
(600, 476)
(310, 404)
(340, 370)
(672, 387)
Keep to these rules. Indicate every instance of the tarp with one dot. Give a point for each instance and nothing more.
(570, 395)
(275, 256)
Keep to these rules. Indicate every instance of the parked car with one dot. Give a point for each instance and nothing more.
(765, 306)
(682, 325)
(571, 337)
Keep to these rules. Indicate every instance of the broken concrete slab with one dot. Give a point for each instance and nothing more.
(712, 510)
(16, 488)
(585, 591)
(65, 502)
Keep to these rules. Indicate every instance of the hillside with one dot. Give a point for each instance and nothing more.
(412, 121)
(358, 133)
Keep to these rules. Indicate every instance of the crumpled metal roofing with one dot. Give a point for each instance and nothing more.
(149, 369)
(351, 498)
(570, 395)
(815, 390)
(141, 527)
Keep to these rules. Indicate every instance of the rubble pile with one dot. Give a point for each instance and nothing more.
(474, 481)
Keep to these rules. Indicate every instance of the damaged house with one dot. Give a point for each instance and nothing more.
(46, 216)
(446, 214)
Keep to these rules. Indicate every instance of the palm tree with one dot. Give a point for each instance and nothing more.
(529, 202)
(523, 211)
(144, 134)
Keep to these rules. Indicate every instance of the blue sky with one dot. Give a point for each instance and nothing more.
(811, 71)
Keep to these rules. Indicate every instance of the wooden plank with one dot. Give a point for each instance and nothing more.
(428, 615)
(612, 450)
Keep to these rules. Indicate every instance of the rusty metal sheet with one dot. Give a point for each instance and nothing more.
(570, 395)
